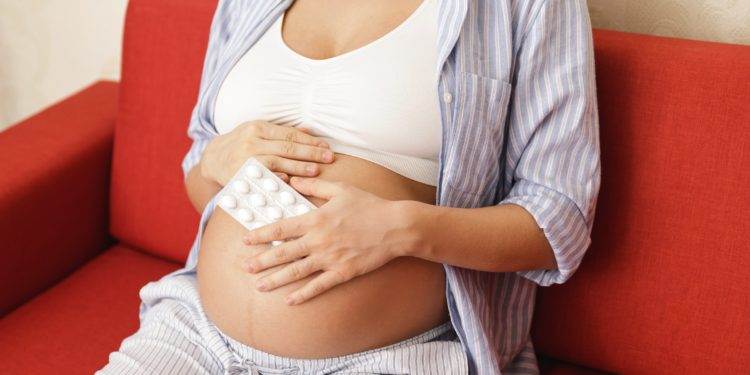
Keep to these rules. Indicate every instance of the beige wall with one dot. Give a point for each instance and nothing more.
(51, 48)
(715, 20)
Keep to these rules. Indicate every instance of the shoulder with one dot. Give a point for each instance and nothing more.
(233, 17)
(232, 13)
(525, 14)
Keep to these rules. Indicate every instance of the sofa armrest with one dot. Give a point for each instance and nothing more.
(54, 192)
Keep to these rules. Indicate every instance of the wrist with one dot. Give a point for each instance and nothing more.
(204, 162)
(205, 172)
(418, 220)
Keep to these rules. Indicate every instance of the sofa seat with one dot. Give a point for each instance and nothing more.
(93, 309)
(550, 366)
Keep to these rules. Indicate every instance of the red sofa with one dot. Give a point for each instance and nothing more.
(92, 206)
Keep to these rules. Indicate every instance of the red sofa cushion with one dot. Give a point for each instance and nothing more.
(53, 166)
(72, 327)
(663, 288)
(163, 50)
(549, 366)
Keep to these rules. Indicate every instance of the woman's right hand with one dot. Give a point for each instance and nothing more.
(284, 150)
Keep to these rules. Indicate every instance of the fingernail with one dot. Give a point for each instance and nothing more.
(323, 144)
(249, 267)
(260, 285)
(290, 300)
(310, 168)
(327, 156)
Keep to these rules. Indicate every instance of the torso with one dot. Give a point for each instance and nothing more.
(399, 300)
(372, 102)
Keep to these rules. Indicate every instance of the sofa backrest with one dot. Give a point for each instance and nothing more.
(163, 49)
(663, 289)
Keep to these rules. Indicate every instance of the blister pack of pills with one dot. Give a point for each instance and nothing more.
(255, 196)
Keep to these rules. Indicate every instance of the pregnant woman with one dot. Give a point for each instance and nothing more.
(452, 150)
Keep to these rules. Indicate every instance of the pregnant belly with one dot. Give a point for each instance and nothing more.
(403, 298)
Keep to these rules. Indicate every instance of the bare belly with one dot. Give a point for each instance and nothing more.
(397, 301)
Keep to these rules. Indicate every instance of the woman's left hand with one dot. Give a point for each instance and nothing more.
(353, 233)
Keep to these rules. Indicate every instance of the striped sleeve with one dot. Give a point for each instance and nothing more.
(554, 131)
(218, 35)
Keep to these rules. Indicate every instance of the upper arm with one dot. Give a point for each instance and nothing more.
(554, 133)
(199, 129)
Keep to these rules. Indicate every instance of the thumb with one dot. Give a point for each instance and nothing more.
(316, 187)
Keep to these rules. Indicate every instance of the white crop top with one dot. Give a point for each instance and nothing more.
(378, 102)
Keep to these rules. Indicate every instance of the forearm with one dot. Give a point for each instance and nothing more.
(502, 238)
(199, 188)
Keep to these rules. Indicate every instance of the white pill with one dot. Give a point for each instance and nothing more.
(286, 197)
(302, 209)
(257, 200)
(276, 243)
(228, 201)
(274, 213)
(245, 215)
(253, 171)
(241, 186)
(270, 185)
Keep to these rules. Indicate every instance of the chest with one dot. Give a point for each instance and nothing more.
(379, 97)
(324, 29)
(473, 74)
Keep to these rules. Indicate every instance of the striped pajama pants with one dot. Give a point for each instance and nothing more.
(176, 337)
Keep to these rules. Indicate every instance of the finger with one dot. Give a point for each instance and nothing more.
(294, 271)
(293, 150)
(278, 230)
(306, 130)
(284, 253)
(318, 285)
(283, 176)
(289, 166)
(321, 143)
(316, 187)
(291, 134)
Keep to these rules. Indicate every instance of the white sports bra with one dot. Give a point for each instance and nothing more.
(378, 102)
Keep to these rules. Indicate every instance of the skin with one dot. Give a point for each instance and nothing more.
(364, 269)
(339, 238)
(402, 298)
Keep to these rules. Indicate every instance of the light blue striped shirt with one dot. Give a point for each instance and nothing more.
(519, 125)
